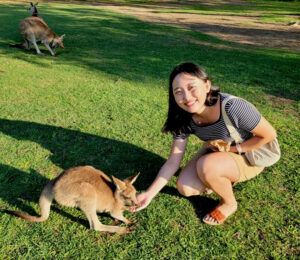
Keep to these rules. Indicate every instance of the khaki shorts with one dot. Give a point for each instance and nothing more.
(246, 170)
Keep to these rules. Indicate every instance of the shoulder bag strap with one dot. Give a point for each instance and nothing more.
(232, 130)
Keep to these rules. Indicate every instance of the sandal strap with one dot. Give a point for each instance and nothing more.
(217, 215)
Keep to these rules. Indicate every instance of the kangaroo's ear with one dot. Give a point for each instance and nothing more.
(133, 178)
(31, 3)
(62, 37)
(119, 184)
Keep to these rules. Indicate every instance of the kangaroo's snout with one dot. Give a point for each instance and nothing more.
(135, 202)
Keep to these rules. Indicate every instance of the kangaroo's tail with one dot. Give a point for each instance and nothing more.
(45, 202)
(18, 45)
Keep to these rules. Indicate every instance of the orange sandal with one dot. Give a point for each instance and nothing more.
(215, 217)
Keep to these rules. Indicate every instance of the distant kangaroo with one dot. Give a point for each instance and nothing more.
(35, 29)
(90, 190)
(33, 9)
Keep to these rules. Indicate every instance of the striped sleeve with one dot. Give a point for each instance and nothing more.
(242, 114)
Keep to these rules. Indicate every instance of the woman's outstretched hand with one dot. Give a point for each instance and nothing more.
(144, 200)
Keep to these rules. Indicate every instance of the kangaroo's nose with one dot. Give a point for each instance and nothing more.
(135, 202)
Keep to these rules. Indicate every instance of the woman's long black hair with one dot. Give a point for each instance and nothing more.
(178, 120)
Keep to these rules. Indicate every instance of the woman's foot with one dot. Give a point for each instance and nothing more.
(220, 214)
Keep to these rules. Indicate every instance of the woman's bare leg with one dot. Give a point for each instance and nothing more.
(218, 171)
(189, 183)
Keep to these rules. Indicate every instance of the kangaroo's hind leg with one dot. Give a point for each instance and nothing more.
(95, 224)
(45, 201)
(49, 48)
(33, 41)
(118, 214)
(26, 44)
(88, 204)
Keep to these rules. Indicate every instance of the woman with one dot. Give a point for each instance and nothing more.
(195, 108)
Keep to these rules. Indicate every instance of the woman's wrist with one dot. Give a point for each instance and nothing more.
(150, 194)
(234, 149)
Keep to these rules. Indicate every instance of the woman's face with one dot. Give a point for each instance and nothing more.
(190, 92)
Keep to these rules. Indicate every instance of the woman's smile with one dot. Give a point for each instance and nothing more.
(190, 92)
(190, 103)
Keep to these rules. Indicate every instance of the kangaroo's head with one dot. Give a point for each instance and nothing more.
(33, 10)
(58, 42)
(125, 192)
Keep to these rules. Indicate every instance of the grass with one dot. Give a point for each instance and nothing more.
(263, 11)
(102, 101)
(266, 11)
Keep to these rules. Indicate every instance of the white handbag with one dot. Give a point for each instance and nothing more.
(266, 155)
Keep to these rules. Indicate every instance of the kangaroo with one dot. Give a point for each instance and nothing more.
(35, 29)
(90, 190)
(33, 12)
(33, 9)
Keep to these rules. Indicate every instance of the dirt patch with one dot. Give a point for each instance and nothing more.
(243, 29)
(287, 106)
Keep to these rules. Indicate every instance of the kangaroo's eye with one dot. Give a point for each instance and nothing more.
(126, 195)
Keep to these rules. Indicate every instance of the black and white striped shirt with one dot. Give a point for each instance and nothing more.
(243, 115)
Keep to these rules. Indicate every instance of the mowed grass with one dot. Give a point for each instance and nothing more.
(102, 101)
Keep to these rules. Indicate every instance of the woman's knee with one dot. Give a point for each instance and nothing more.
(185, 190)
(217, 165)
(207, 169)
(182, 189)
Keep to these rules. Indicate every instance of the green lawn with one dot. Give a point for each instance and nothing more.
(102, 101)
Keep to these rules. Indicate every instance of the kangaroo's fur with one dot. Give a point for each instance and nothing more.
(220, 145)
(90, 190)
(35, 29)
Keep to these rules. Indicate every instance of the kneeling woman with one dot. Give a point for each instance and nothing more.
(195, 107)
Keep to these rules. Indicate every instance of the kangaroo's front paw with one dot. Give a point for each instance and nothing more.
(127, 222)
(131, 228)
(122, 231)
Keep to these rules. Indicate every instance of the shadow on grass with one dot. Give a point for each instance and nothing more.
(71, 148)
(18, 186)
(126, 48)
(201, 204)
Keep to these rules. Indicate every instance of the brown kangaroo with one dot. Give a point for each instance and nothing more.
(90, 190)
(35, 29)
